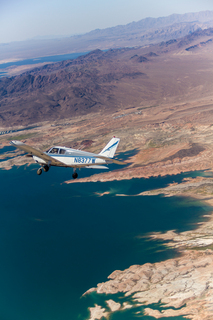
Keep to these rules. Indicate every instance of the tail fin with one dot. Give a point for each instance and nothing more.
(110, 148)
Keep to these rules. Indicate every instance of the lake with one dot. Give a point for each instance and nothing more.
(47, 59)
(57, 240)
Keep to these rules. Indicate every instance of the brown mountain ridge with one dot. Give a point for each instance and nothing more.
(108, 81)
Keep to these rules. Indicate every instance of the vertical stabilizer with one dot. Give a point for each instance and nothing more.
(110, 148)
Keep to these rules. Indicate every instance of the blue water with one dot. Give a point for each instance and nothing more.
(2, 74)
(9, 154)
(56, 58)
(7, 149)
(58, 240)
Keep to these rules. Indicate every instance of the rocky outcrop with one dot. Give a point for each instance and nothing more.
(184, 286)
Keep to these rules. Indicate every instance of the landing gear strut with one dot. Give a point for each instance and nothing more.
(75, 175)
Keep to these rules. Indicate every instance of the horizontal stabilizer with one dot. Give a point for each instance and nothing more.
(97, 167)
(109, 160)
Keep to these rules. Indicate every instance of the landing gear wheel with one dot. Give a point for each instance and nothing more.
(46, 168)
(75, 175)
(39, 171)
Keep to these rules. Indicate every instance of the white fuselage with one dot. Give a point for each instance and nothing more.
(71, 157)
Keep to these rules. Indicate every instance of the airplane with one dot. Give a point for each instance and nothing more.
(72, 158)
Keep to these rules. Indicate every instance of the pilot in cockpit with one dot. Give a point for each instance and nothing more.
(54, 150)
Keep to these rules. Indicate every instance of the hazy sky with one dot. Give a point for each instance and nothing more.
(25, 19)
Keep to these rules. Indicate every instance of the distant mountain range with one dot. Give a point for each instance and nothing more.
(205, 18)
(143, 32)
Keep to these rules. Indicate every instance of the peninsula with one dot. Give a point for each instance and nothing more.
(181, 286)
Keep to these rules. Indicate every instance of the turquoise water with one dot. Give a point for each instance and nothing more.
(58, 240)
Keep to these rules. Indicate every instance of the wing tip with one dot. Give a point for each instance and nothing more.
(16, 143)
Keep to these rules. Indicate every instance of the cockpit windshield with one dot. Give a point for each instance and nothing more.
(53, 150)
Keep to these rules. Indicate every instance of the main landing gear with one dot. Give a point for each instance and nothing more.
(75, 175)
(45, 168)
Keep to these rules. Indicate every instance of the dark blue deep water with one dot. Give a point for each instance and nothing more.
(58, 240)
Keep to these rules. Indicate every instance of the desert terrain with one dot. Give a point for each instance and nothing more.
(158, 100)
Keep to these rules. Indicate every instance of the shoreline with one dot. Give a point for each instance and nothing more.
(183, 284)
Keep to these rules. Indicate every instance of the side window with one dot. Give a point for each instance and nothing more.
(54, 150)
(62, 151)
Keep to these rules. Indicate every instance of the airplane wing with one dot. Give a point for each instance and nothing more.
(38, 153)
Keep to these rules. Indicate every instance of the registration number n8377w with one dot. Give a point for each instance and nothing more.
(84, 160)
